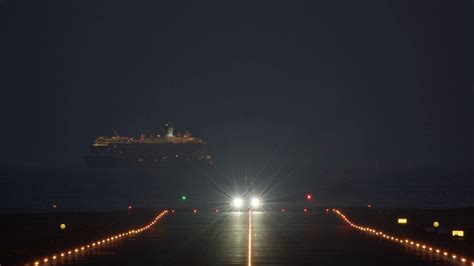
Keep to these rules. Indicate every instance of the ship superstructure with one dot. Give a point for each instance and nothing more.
(148, 151)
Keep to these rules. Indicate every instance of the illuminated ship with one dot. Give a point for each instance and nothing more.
(153, 151)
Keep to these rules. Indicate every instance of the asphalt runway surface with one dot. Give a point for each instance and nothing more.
(257, 238)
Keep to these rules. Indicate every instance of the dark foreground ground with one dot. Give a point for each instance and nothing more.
(208, 238)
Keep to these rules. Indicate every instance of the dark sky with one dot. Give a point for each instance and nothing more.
(333, 83)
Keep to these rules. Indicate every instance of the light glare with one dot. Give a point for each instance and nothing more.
(237, 202)
(256, 202)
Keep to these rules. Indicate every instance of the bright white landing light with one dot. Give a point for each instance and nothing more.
(237, 202)
(255, 202)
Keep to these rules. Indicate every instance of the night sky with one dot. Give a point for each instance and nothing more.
(325, 83)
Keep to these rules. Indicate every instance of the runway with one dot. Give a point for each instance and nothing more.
(256, 238)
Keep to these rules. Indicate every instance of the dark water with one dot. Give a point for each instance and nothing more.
(80, 188)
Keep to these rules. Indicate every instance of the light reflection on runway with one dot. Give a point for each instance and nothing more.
(249, 246)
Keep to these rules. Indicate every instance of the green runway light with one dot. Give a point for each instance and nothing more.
(183, 197)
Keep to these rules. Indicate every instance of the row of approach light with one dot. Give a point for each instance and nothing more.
(405, 242)
(256, 202)
(99, 243)
(256, 205)
(239, 203)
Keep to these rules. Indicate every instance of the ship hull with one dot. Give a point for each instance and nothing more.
(101, 161)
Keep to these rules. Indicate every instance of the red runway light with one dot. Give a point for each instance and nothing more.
(129, 207)
(283, 210)
(309, 196)
(369, 206)
(217, 210)
(195, 211)
(172, 211)
(305, 210)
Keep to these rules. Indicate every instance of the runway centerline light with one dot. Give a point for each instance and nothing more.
(255, 202)
(237, 202)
